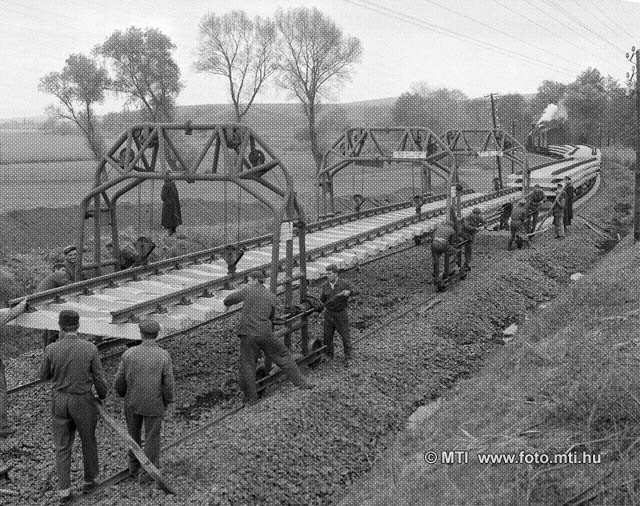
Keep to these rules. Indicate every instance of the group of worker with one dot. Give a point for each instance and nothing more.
(522, 221)
(145, 373)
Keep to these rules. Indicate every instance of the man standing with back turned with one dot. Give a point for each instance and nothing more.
(255, 330)
(145, 380)
(73, 365)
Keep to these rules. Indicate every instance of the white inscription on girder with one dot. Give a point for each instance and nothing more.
(286, 231)
(411, 155)
(489, 153)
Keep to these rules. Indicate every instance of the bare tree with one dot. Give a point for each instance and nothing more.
(315, 55)
(240, 49)
(78, 87)
(144, 69)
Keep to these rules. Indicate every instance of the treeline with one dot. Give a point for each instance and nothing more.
(594, 109)
(301, 49)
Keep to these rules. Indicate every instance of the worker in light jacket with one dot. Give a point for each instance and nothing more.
(335, 296)
(145, 380)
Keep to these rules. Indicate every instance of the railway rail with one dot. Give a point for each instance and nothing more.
(120, 476)
(185, 292)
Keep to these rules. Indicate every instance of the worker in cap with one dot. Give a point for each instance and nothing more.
(569, 196)
(70, 260)
(445, 239)
(558, 210)
(72, 364)
(335, 294)
(145, 380)
(255, 331)
(518, 226)
(534, 199)
(470, 225)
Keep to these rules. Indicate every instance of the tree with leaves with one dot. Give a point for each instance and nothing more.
(586, 101)
(314, 57)
(144, 70)
(241, 50)
(549, 92)
(79, 86)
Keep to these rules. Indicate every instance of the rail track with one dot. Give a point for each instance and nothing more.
(120, 476)
(185, 292)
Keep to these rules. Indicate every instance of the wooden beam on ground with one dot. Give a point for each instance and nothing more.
(137, 451)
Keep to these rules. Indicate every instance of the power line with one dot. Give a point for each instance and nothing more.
(556, 34)
(450, 33)
(554, 17)
(585, 27)
(486, 25)
(595, 4)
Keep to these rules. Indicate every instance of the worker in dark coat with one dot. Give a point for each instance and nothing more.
(255, 330)
(171, 214)
(335, 294)
(59, 277)
(569, 195)
(145, 380)
(518, 226)
(73, 366)
(534, 199)
(470, 226)
(444, 243)
(557, 209)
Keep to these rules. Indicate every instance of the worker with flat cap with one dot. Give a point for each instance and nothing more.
(145, 380)
(470, 225)
(255, 330)
(335, 294)
(443, 243)
(73, 366)
(518, 226)
(70, 260)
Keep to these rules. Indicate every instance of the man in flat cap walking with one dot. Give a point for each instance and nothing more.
(335, 295)
(255, 330)
(73, 366)
(145, 380)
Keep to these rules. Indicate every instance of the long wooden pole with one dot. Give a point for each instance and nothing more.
(636, 214)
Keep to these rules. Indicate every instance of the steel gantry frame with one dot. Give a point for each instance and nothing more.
(374, 147)
(489, 143)
(227, 153)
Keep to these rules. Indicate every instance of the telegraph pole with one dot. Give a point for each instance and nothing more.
(495, 126)
(636, 212)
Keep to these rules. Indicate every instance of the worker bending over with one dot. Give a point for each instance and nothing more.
(534, 199)
(444, 242)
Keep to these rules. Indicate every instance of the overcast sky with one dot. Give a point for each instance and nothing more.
(477, 46)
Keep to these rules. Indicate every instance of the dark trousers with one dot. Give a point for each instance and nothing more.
(521, 233)
(152, 428)
(437, 250)
(469, 238)
(568, 213)
(337, 320)
(250, 347)
(71, 412)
